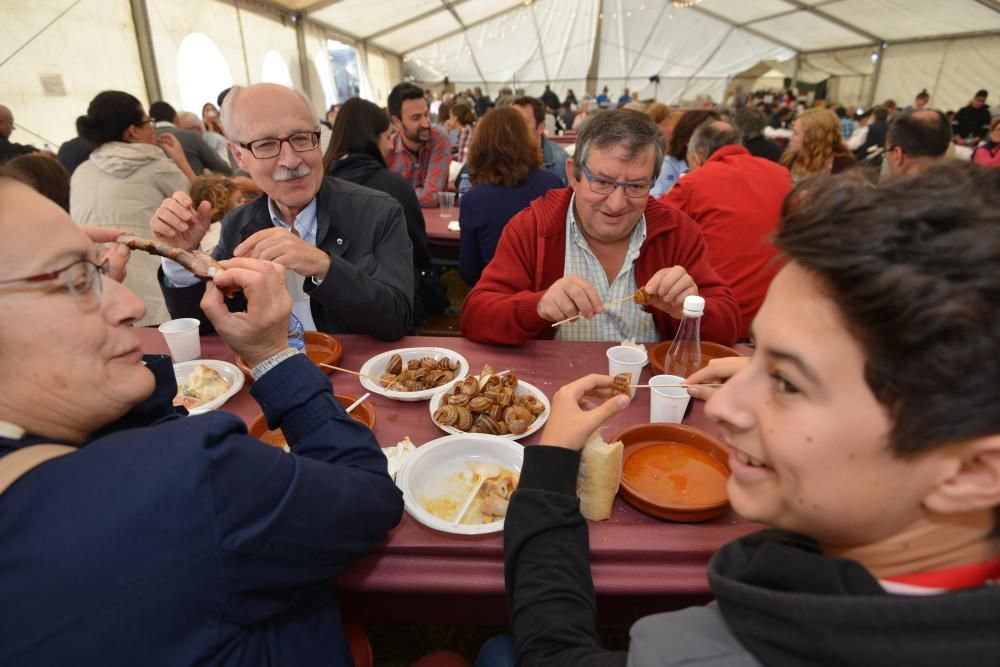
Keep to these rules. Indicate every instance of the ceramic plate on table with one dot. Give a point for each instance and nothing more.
(439, 476)
(522, 389)
(230, 373)
(376, 367)
(322, 348)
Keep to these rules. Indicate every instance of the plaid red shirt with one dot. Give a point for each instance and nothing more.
(463, 143)
(427, 171)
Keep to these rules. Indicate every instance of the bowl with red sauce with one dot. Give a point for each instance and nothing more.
(322, 349)
(674, 472)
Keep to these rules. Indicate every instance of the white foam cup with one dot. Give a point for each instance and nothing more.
(626, 359)
(667, 404)
(182, 338)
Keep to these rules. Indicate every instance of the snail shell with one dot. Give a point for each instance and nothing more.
(446, 415)
(533, 405)
(458, 399)
(464, 422)
(480, 403)
(517, 413)
(395, 366)
(429, 363)
(484, 424)
(469, 386)
(496, 412)
(387, 379)
(518, 426)
(506, 396)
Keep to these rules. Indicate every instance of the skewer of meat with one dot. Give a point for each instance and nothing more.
(641, 297)
(199, 263)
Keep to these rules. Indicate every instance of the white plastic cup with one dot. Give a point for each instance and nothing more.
(182, 338)
(626, 359)
(446, 202)
(667, 404)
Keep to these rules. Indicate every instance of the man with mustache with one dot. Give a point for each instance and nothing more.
(348, 257)
(598, 241)
(421, 154)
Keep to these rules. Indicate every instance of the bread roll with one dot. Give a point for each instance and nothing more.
(599, 476)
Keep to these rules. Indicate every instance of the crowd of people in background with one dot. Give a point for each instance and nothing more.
(319, 221)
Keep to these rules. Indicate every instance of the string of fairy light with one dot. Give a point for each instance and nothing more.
(499, 30)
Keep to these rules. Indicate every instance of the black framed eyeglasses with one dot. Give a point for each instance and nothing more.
(605, 186)
(82, 279)
(300, 142)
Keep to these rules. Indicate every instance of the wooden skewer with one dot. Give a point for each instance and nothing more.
(674, 386)
(605, 306)
(344, 370)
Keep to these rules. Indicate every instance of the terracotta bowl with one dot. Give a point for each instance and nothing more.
(653, 483)
(322, 348)
(364, 413)
(709, 351)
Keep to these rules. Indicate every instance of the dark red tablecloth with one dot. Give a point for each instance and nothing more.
(640, 564)
(437, 226)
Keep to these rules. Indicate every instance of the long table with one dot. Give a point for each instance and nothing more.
(640, 564)
(437, 226)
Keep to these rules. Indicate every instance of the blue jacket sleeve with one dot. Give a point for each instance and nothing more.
(284, 521)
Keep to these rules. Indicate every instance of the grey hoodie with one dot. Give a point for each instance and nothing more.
(121, 186)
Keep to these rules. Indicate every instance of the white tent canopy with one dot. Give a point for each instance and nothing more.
(55, 55)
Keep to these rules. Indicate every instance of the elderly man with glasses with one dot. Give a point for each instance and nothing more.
(598, 241)
(348, 257)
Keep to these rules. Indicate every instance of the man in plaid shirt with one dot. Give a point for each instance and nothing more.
(421, 154)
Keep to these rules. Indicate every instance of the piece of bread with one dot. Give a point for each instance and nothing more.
(598, 478)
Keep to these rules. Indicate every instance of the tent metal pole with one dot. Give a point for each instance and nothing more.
(707, 60)
(541, 48)
(875, 75)
(147, 57)
(300, 47)
(595, 55)
(243, 42)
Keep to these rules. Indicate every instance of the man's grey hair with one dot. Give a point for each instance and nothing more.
(231, 121)
(712, 135)
(750, 122)
(187, 118)
(632, 130)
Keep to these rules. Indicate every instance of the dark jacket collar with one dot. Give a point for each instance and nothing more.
(790, 605)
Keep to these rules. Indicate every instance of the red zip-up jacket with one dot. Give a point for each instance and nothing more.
(735, 198)
(531, 255)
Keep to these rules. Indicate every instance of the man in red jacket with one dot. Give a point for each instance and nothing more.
(596, 242)
(736, 198)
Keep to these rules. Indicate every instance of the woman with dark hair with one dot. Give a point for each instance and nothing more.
(505, 166)
(463, 120)
(675, 161)
(44, 174)
(358, 146)
(125, 180)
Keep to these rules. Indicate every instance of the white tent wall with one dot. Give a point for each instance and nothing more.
(952, 70)
(203, 75)
(36, 41)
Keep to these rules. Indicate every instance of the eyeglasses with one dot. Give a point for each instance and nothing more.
(605, 186)
(300, 142)
(148, 121)
(82, 279)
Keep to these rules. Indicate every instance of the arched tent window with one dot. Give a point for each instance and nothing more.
(275, 70)
(202, 72)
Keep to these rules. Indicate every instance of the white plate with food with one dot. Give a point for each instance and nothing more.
(439, 476)
(504, 406)
(206, 384)
(413, 373)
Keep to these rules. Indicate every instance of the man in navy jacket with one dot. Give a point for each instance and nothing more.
(166, 539)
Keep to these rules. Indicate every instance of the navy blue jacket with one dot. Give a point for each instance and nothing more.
(173, 540)
(484, 212)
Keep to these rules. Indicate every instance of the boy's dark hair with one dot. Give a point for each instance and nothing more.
(914, 267)
(684, 128)
(400, 93)
(925, 133)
